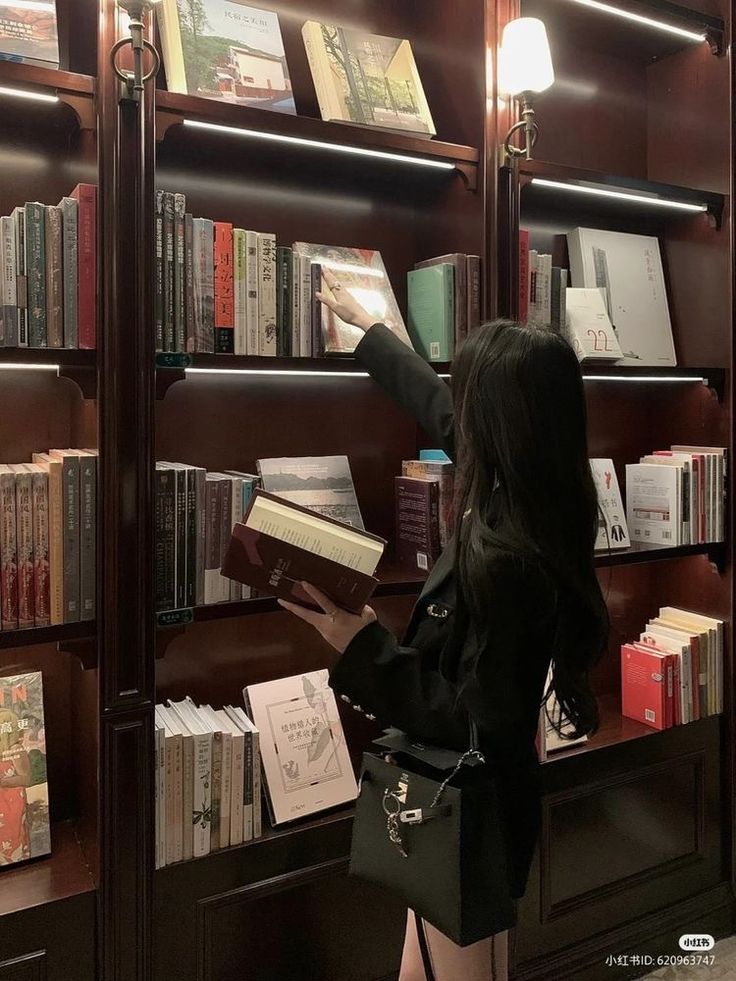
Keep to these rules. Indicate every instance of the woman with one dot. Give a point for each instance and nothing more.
(516, 585)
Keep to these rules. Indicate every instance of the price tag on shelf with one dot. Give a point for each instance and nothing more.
(175, 618)
(173, 359)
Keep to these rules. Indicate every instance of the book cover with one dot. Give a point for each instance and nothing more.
(558, 318)
(213, 529)
(8, 551)
(588, 327)
(165, 525)
(159, 270)
(54, 277)
(24, 792)
(87, 534)
(417, 522)
(284, 302)
(53, 468)
(267, 343)
(240, 291)
(21, 278)
(643, 685)
(223, 273)
(628, 268)
(459, 265)
(69, 215)
(203, 286)
(180, 312)
(320, 483)
(362, 273)
(225, 49)
(431, 306)
(35, 239)
(8, 280)
(41, 564)
(474, 287)
(70, 469)
(366, 79)
(86, 197)
(523, 299)
(443, 472)
(169, 260)
(189, 318)
(653, 504)
(29, 33)
(613, 532)
(24, 544)
(198, 826)
(305, 758)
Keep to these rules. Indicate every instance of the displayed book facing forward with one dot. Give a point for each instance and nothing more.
(279, 545)
(612, 529)
(305, 758)
(29, 33)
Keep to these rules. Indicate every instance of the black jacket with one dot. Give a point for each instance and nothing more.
(445, 670)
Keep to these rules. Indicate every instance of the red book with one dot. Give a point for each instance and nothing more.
(86, 197)
(523, 275)
(224, 298)
(644, 685)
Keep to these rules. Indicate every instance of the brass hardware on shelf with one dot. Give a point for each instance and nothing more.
(134, 81)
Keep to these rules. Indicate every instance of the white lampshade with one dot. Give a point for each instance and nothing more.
(524, 60)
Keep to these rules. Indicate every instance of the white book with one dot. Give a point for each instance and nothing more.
(201, 813)
(612, 529)
(685, 635)
(715, 627)
(716, 471)
(296, 351)
(252, 281)
(240, 291)
(250, 726)
(653, 504)
(588, 327)
(9, 300)
(267, 295)
(223, 732)
(544, 290)
(629, 268)
(185, 782)
(680, 647)
(215, 732)
(174, 787)
(687, 504)
(236, 777)
(160, 792)
(305, 758)
(248, 764)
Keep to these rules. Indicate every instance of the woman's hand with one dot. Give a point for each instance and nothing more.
(343, 304)
(338, 627)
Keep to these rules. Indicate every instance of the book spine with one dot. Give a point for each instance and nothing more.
(169, 315)
(70, 474)
(159, 271)
(248, 763)
(36, 272)
(267, 343)
(224, 325)
(10, 288)
(185, 796)
(284, 303)
(316, 314)
(56, 541)
(417, 522)
(8, 553)
(86, 197)
(189, 319)
(216, 840)
(201, 531)
(236, 589)
(202, 796)
(180, 327)
(54, 278)
(191, 547)
(24, 547)
(556, 286)
(305, 307)
(226, 527)
(169, 803)
(157, 796)
(240, 292)
(257, 811)
(69, 209)
(460, 313)
(236, 789)
(21, 278)
(296, 350)
(212, 546)
(88, 543)
(523, 297)
(226, 788)
(182, 534)
(252, 284)
(41, 593)
(473, 285)
(165, 520)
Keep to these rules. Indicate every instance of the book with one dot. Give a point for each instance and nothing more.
(159, 789)
(178, 787)
(417, 522)
(213, 531)
(267, 288)
(237, 742)
(159, 274)
(70, 265)
(653, 504)
(225, 50)
(315, 313)
(284, 300)
(715, 460)
(628, 268)
(223, 273)
(278, 546)
(558, 318)
(613, 532)
(8, 550)
(179, 259)
(9, 282)
(87, 534)
(86, 197)
(222, 761)
(26, 829)
(24, 544)
(443, 471)
(21, 278)
(29, 33)
(252, 789)
(53, 467)
(431, 311)
(322, 483)
(201, 762)
(474, 289)
(41, 563)
(165, 538)
(203, 285)
(460, 286)
(70, 470)
(190, 321)
(588, 328)
(523, 298)
(306, 764)
(362, 273)
(169, 260)
(644, 685)
(366, 79)
(54, 277)
(35, 239)
(240, 291)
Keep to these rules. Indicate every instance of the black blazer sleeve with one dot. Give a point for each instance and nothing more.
(411, 382)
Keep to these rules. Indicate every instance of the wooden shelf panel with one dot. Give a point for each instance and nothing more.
(34, 77)
(245, 362)
(66, 357)
(62, 633)
(651, 553)
(714, 378)
(61, 875)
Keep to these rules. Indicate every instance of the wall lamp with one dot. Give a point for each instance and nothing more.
(134, 81)
(524, 68)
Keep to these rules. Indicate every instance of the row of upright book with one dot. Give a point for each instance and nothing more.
(423, 509)
(48, 539)
(48, 268)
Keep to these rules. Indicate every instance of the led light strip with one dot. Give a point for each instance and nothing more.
(620, 195)
(24, 94)
(648, 378)
(606, 8)
(15, 366)
(283, 372)
(320, 145)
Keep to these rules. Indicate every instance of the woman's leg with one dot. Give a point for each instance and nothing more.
(450, 962)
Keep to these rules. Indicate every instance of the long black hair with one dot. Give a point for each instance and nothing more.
(525, 489)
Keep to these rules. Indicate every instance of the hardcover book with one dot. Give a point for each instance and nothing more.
(462, 288)
(29, 33)
(225, 49)
(305, 758)
(320, 483)
(86, 197)
(362, 273)
(588, 327)
(653, 503)
(24, 795)
(417, 522)
(366, 79)
(431, 307)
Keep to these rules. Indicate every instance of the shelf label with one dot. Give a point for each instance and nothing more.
(173, 359)
(175, 618)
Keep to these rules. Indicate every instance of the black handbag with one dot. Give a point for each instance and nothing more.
(428, 827)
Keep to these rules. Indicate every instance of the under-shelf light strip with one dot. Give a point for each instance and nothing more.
(283, 372)
(320, 145)
(681, 379)
(25, 94)
(606, 8)
(620, 195)
(19, 366)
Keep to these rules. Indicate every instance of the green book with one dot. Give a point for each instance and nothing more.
(35, 236)
(432, 311)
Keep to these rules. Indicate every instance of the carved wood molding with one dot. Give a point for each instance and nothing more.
(29, 967)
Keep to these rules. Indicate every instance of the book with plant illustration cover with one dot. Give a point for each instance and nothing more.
(305, 757)
(24, 794)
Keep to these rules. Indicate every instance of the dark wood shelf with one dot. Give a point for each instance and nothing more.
(245, 362)
(713, 378)
(73, 90)
(58, 876)
(64, 356)
(530, 171)
(62, 633)
(318, 136)
(638, 553)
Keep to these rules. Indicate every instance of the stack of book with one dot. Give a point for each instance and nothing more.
(227, 290)
(677, 496)
(542, 287)
(424, 515)
(444, 304)
(48, 263)
(673, 673)
(48, 539)
(208, 780)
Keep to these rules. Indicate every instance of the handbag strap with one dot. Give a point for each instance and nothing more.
(424, 948)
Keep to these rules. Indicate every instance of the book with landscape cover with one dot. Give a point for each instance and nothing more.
(225, 49)
(279, 545)
(320, 483)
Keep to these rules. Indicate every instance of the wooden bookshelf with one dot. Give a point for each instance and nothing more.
(58, 634)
